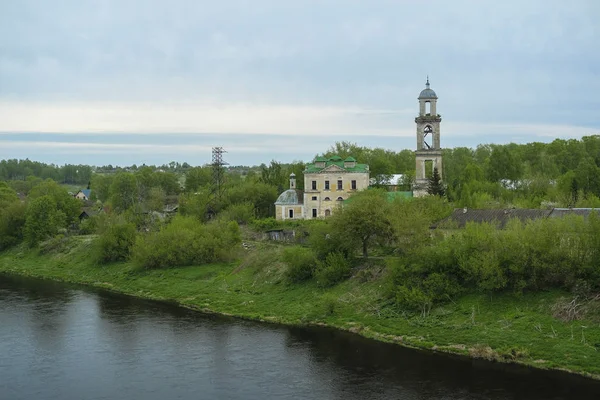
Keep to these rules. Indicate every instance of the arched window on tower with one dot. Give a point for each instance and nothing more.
(427, 108)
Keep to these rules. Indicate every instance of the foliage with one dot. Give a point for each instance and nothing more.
(324, 239)
(194, 205)
(197, 178)
(66, 204)
(242, 213)
(12, 222)
(301, 263)
(116, 240)
(334, 269)
(186, 242)
(261, 195)
(124, 191)
(364, 220)
(435, 187)
(42, 220)
(538, 255)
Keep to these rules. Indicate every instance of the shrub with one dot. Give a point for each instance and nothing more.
(88, 226)
(333, 270)
(12, 221)
(241, 213)
(301, 263)
(186, 242)
(116, 241)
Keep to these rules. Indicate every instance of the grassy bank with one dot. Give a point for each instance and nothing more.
(506, 327)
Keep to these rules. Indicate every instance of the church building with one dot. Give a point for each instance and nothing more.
(327, 183)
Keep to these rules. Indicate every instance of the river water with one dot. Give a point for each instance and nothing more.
(66, 342)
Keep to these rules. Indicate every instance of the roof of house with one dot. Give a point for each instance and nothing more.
(460, 217)
(290, 197)
(337, 161)
(86, 192)
(390, 196)
(562, 212)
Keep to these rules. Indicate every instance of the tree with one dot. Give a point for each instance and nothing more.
(434, 185)
(197, 178)
(69, 206)
(364, 219)
(42, 220)
(124, 191)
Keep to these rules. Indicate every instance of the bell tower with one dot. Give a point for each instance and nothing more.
(429, 151)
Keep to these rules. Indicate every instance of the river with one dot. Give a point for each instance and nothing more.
(59, 341)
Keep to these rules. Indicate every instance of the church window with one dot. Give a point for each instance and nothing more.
(326, 185)
(314, 185)
(291, 213)
(340, 199)
(353, 185)
(340, 185)
(314, 197)
(327, 199)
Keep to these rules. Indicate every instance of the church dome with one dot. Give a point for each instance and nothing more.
(427, 93)
(290, 197)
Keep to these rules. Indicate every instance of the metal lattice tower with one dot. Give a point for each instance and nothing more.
(218, 173)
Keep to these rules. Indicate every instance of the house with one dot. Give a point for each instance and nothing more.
(83, 194)
(327, 183)
(86, 213)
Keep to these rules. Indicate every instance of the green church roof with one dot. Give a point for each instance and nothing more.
(335, 160)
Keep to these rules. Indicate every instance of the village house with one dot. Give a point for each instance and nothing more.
(83, 194)
(327, 183)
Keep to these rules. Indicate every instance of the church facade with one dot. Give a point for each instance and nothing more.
(327, 183)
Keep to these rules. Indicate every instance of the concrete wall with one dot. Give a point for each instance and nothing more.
(283, 213)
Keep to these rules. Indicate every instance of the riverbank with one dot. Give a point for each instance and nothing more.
(505, 328)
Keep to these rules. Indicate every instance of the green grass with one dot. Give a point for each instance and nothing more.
(505, 328)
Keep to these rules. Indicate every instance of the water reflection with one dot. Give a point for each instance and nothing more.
(60, 341)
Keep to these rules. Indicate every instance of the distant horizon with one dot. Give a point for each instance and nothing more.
(103, 150)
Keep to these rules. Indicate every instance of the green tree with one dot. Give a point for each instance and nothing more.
(69, 206)
(124, 191)
(364, 220)
(435, 186)
(42, 220)
(196, 178)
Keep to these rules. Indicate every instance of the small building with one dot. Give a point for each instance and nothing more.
(83, 194)
(86, 213)
(289, 204)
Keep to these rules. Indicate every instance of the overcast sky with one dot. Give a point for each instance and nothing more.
(143, 81)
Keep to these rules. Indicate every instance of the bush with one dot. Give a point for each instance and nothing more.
(88, 226)
(186, 242)
(12, 221)
(301, 263)
(116, 241)
(333, 270)
(240, 213)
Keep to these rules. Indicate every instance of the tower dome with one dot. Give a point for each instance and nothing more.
(427, 93)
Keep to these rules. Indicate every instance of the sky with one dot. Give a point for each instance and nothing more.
(142, 81)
